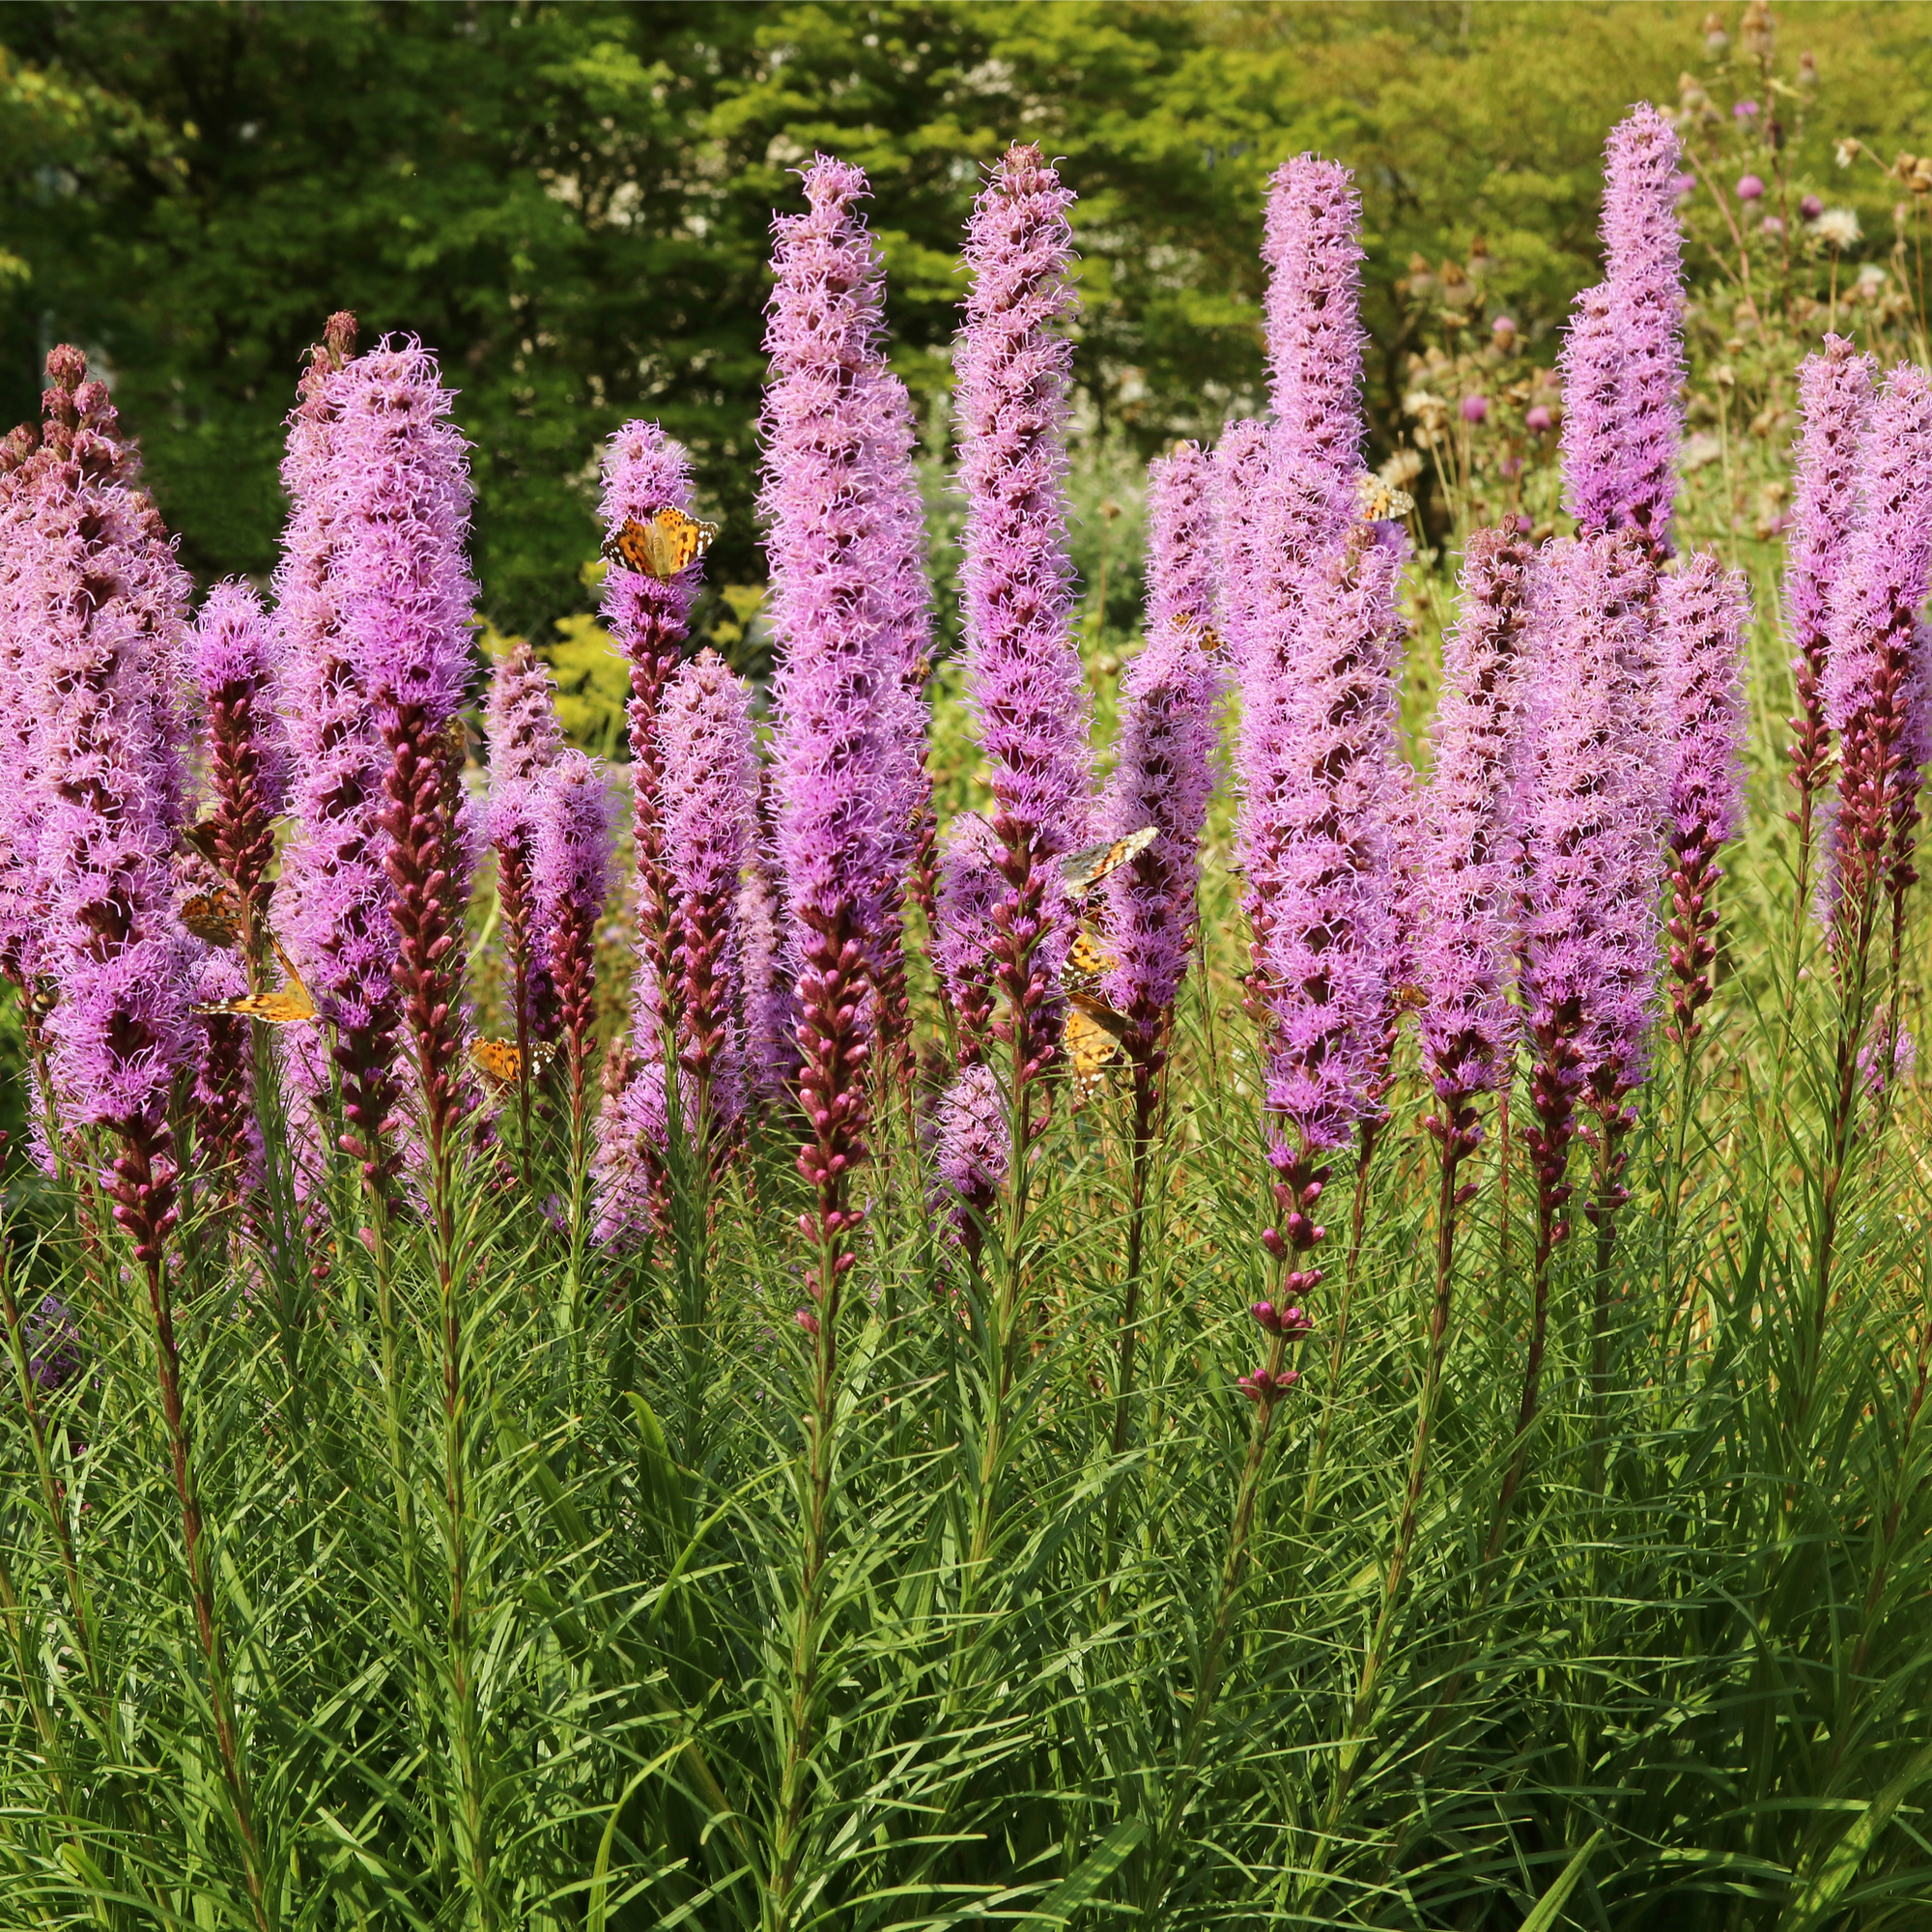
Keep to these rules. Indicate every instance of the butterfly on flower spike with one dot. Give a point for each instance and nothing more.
(1210, 640)
(498, 1064)
(1089, 960)
(284, 1007)
(1379, 501)
(215, 917)
(1092, 1036)
(201, 837)
(1084, 869)
(660, 546)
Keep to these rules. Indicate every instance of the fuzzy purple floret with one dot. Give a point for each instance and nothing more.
(1162, 776)
(569, 855)
(1702, 614)
(1882, 582)
(237, 645)
(971, 1138)
(970, 888)
(1623, 360)
(20, 921)
(838, 755)
(1315, 336)
(1013, 363)
(1241, 482)
(1182, 538)
(333, 903)
(106, 606)
(520, 717)
(1835, 394)
(711, 815)
(1587, 808)
(401, 475)
(1467, 928)
(1315, 671)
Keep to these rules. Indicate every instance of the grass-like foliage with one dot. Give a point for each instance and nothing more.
(1686, 1675)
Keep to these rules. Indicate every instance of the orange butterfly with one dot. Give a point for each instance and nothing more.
(497, 1060)
(200, 836)
(1084, 869)
(284, 1007)
(1092, 1036)
(1090, 958)
(215, 917)
(667, 542)
(1206, 635)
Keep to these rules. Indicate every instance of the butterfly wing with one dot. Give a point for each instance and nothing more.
(1091, 1040)
(214, 918)
(662, 546)
(282, 1008)
(1090, 958)
(1084, 869)
(497, 1060)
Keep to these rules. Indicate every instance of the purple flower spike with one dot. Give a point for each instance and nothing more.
(334, 873)
(571, 875)
(1878, 679)
(520, 717)
(1750, 189)
(644, 471)
(711, 815)
(1240, 481)
(1024, 679)
(1181, 565)
(21, 469)
(1835, 391)
(1587, 810)
(236, 657)
(1469, 856)
(1703, 611)
(970, 888)
(1162, 773)
(1475, 409)
(835, 499)
(526, 740)
(1623, 359)
(1162, 776)
(401, 472)
(1316, 692)
(972, 1148)
(105, 605)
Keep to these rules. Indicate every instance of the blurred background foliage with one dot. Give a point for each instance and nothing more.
(570, 203)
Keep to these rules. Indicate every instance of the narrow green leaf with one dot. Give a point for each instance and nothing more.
(1552, 1901)
(1079, 1886)
(1828, 1885)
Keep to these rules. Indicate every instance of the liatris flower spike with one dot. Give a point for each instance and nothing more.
(1587, 809)
(972, 1137)
(1703, 611)
(399, 467)
(1623, 360)
(1468, 858)
(335, 886)
(840, 780)
(1835, 399)
(570, 877)
(645, 474)
(837, 757)
(526, 740)
(106, 602)
(1024, 680)
(711, 804)
(236, 655)
(1876, 680)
